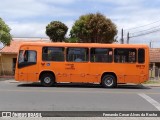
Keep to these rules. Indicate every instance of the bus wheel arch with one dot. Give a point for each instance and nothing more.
(109, 80)
(47, 78)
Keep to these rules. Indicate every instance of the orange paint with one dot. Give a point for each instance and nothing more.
(127, 62)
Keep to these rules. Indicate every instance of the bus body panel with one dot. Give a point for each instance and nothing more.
(85, 72)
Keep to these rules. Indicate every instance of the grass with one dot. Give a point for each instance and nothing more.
(152, 82)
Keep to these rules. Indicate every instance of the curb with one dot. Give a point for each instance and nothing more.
(151, 85)
(10, 81)
(13, 81)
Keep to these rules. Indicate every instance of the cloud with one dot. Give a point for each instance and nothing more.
(69, 25)
(1, 45)
(32, 29)
(60, 2)
(27, 29)
(27, 9)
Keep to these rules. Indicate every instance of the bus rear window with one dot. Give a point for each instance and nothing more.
(141, 55)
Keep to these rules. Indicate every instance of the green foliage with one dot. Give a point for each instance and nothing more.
(72, 40)
(5, 36)
(94, 28)
(56, 31)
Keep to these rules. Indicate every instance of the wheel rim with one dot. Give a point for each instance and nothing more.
(47, 80)
(108, 81)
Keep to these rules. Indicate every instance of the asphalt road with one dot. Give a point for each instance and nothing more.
(66, 97)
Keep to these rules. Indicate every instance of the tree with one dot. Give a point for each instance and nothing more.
(72, 40)
(56, 31)
(94, 28)
(5, 36)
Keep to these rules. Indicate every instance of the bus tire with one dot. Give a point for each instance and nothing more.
(109, 81)
(47, 79)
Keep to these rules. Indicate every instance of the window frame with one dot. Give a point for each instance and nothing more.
(101, 54)
(53, 59)
(88, 56)
(26, 63)
(124, 56)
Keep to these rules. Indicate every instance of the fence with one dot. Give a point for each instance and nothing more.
(154, 73)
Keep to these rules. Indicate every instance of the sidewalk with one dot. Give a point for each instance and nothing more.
(6, 77)
(152, 83)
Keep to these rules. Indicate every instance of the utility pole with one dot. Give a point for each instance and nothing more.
(128, 38)
(122, 39)
(150, 44)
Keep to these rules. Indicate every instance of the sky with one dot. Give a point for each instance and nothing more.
(28, 18)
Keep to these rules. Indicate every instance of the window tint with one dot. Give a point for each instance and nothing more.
(77, 54)
(53, 54)
(141, 55)
(101, 55)
(122, 55)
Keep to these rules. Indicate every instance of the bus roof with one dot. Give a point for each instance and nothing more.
(61, 44)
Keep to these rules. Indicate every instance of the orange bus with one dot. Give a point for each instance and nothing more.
(106, 64)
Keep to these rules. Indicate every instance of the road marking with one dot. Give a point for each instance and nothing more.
(150, 100)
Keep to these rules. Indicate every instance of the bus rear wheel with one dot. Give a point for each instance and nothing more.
(109, 81)
(47, 80)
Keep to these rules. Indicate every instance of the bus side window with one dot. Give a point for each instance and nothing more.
(125, 55)
(77, 54)
(101, 55)
(53, 54)
(141, 55)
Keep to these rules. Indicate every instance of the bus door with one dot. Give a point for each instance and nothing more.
(77, 64)
(27, 65)
(136, 68)
(143, 65)
(127, 62)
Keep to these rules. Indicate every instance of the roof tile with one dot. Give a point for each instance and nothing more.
(15, 44)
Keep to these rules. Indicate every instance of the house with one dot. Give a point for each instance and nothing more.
(155, 63)
(8, 55)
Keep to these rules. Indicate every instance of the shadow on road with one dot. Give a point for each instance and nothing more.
(78, 85)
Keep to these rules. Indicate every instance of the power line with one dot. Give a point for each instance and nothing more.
(146, 29)
(143, 25)
(145, 33)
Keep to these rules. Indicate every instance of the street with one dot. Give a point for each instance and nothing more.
(69, 97)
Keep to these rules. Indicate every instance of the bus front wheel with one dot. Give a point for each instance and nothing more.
(109, 81)
(47, 79)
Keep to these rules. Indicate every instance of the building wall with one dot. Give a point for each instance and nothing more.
(6, 64)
